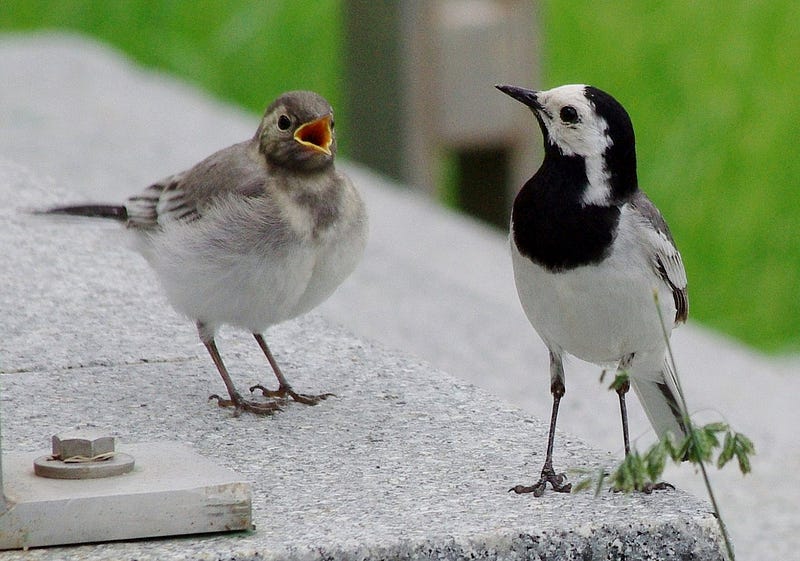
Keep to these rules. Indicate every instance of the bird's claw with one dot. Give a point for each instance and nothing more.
(557, 481)
(660, 486)
(648, 488)
(283, 392)
(240, 405)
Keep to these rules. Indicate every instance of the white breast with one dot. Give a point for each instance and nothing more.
(224, 269)
(338, 256)
(598, 313)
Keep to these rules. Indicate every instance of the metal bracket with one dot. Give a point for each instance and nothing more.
(172, 490)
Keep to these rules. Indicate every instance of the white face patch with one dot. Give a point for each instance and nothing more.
(587, 135)
(583, 133)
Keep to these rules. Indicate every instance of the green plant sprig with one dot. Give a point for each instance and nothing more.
(642, 472)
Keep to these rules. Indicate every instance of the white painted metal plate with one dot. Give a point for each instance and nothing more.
(172, 491)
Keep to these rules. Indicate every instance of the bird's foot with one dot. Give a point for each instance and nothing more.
(648, 488)
(284, 391)
(557, 481)
(660, 486)
(240, 405)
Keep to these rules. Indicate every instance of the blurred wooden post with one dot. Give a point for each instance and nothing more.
(419, 84)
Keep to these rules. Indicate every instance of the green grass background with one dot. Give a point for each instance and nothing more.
(711, 87)
(712, 90)
(243, 51)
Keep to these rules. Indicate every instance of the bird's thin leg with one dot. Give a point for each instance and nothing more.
(557, 481)
(236, 400)
(623, 410)
(623, 389)
(284, 388)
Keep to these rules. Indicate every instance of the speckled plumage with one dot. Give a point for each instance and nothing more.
(255, 234)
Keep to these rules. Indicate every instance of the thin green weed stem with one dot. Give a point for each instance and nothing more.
(695, 442)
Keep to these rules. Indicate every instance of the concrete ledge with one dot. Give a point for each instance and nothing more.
(405, 463)
(172, 490)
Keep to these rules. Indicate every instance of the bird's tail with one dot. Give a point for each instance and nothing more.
(117, 212)
(659, 398)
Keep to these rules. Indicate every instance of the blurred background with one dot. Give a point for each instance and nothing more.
(711, 88)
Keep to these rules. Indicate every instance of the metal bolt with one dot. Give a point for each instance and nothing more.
(82, 444)
(83, 454)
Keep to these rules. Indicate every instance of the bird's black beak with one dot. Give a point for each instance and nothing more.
(528, 97)
(316, 135)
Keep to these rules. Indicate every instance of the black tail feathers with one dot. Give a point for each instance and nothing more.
(117, 212)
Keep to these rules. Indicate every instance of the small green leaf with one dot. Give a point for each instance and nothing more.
(728, 449)
(700, 445)
(622, 477)
(743, 448)
(584, 483)
(672, 446)
(600, 479)
(620, 380)
(717, 427)
(710, 437)
(744, 463)
(633, 472)
(684, 449)
(655, 460)
(590, 478)
(745, 443)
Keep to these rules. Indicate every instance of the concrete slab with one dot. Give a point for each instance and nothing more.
(434, 284)
(406, 462)
(171, 491)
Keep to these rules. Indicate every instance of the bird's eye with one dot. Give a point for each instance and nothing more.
(284, 122)
(569, 114)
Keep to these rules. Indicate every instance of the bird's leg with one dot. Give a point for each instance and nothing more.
(236, 400)
(623, 410)
(557, 481)
(623, 389)
(284, 388)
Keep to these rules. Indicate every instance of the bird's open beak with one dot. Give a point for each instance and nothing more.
(528, 97)
(316, 135)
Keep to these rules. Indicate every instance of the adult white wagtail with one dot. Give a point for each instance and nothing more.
(255, 234)
(590, 251)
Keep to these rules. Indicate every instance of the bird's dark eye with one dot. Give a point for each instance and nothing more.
(569, 114)
(284, 122)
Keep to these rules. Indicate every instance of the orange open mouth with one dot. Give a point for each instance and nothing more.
(316, 135)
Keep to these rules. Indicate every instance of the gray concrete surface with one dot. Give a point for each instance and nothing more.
(406, 462)
(433, 284)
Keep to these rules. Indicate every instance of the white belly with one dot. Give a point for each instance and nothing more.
(598, 313)
(252, 286)
(332, 266)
